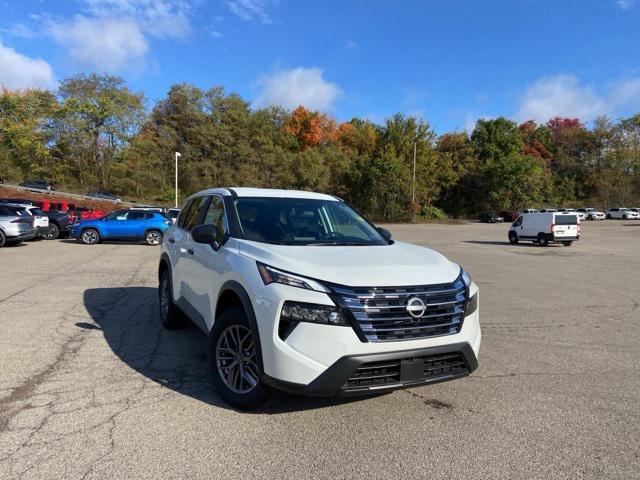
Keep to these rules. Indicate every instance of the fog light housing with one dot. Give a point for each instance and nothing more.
(295, 312)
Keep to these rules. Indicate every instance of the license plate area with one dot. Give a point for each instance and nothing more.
(411, 369)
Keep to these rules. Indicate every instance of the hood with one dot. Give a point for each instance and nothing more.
(399, 264)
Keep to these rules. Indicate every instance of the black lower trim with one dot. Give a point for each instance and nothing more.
(331, 383)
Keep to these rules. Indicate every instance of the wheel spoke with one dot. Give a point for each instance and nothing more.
(236, 359)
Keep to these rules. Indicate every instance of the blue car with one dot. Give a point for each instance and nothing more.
(123, 225)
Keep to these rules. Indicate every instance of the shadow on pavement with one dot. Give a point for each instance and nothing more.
(176, 359)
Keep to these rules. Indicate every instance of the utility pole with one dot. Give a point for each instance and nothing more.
(413, 187)
(178, 154)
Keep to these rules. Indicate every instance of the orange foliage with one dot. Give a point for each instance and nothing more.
(311, 128)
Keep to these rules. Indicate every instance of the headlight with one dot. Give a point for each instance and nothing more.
(465, 277)
(295, 312)
(273, 275)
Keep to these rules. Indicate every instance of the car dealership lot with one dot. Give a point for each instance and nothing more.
(91, 385)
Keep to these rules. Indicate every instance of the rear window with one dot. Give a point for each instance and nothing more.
(37, 212)
(566, 220)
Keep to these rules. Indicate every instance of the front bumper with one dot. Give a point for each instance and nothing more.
(355, 375)
(313, 349)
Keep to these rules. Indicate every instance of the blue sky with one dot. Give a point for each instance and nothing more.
(449, 62)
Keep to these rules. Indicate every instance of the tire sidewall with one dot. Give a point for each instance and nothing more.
(542, 241)
(90, 230)
(513, 238)
(3, 239)
(248, 401)
(54, 232)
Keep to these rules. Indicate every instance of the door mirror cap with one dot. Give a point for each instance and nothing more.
(384, 232)
(205, 234)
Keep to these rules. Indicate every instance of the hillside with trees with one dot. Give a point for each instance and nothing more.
(95, 133)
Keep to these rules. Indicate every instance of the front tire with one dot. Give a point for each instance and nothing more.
(90, 236)
(153, 237)
(513, 238)
(234, 362)
(53, 233)
(3, 239)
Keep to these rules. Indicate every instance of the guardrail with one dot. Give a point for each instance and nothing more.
(77, 196)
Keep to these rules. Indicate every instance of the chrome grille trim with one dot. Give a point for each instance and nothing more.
(380, 313)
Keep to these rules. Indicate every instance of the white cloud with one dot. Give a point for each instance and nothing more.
(624, 4)
(563, 95)
(250, 10)
(299, 86)
(20, 30)
(107, 44)
(159, 18)
(19, 71)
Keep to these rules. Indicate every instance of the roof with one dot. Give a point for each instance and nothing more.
(268, 192)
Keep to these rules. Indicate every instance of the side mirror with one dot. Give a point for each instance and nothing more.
(384, 232)
(205, 234)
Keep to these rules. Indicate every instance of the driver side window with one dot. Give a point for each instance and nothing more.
(518, 222)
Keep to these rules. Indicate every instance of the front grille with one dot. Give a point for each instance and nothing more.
(381, 313)
(389, 373)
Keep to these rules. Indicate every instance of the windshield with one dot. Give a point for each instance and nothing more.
(298, 221)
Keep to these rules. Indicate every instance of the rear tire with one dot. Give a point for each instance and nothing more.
(542, 240)
(3, 239)
(54, 232)
(608, 216)
(170, 316)
(90, 236)
(567, 244)
(234, 362)
(513, 238)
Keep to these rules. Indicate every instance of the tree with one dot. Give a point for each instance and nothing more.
(98, 116)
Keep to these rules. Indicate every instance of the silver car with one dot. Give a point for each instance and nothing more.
(15, 225)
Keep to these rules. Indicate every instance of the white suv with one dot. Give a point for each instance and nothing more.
(298, 292)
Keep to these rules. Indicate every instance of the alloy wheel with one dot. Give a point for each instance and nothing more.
(236, 359)
(154, 238)
(90, 237)
(164, 298)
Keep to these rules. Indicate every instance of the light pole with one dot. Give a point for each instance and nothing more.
(178, 154)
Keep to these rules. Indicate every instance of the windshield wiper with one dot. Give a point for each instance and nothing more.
(337, 244)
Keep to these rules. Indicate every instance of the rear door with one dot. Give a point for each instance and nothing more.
(184, 252)
(565, 226)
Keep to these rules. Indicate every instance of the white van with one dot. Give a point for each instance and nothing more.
(543, 228)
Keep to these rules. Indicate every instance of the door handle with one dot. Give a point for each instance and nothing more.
(171, 240)
(189, 251)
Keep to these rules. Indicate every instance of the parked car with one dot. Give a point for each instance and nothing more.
(37, 185)
(173, 213)
(529, 210)
(491, 217)
(298, 292)
(15, 225)
(591, 213)
(59, 221)
(509, 216)
(544, 228)
(637, 210)
(104, 195)
(40, 220)
(123, 225)
(581, 215)
(547, 210)
(622, 213)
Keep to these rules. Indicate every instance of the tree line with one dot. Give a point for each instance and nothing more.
(95, 133)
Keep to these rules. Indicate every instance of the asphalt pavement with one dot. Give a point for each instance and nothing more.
(92, 387)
